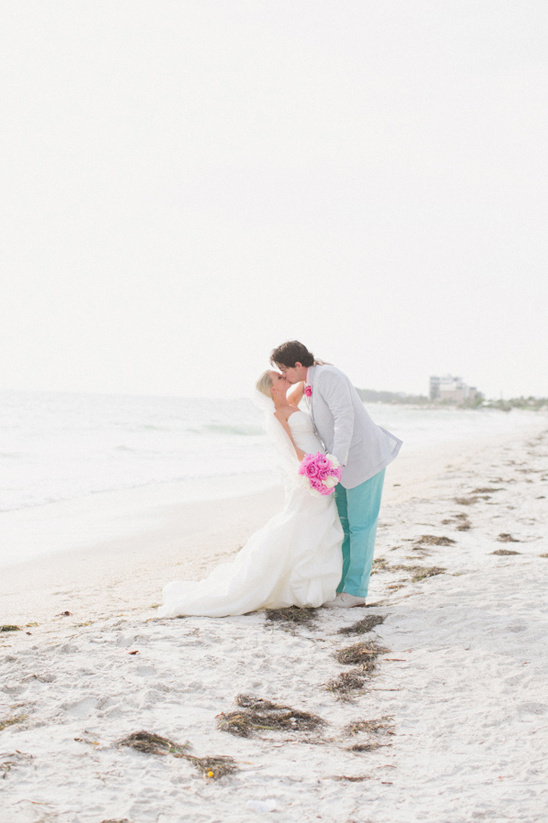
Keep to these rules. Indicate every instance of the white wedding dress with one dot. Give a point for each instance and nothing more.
(293, 560)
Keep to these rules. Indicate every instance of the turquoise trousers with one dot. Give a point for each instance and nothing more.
(359, 512)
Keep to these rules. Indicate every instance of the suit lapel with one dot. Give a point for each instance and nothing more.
(310, 381)
(311, 376)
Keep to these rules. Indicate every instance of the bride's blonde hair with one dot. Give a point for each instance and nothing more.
(264, 384)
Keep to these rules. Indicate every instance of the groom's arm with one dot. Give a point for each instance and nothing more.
(336, 393)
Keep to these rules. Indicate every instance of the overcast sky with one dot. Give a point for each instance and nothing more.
(185, 184)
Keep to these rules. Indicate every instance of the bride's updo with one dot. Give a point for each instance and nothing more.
(264, 384)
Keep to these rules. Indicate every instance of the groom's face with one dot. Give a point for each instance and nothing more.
(293, 374)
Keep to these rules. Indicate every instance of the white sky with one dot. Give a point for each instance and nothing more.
(185, 184)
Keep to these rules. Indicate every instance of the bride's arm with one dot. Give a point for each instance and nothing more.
(295, 393)
(300, 454)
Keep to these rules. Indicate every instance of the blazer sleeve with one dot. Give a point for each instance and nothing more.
(336, 393)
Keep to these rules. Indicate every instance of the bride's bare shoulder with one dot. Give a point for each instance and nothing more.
(284, 414)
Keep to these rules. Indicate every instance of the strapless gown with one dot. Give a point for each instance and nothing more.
(293, 560)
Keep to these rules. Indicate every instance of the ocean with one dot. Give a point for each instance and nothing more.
(68, 461)
(56, 446)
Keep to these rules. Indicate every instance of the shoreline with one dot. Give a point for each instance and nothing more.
(158, 538)
(83, 522)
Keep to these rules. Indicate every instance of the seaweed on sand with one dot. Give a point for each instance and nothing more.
(257, 715)
(148, 743)
(361, 748)
(348, 685)
(9, 628)
(363, 654)
(380, 564)
(464, 524)
(469, 501)
(507, 538)
(434, 540)
(362, 626)
(213, 767)
(381, 725)
(247, 701)
(422, 572)
(417, 572)
(351, 779)
(293, 616)
(12, 721)
(505, 552)
(374, 728)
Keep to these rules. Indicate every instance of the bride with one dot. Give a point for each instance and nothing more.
(294, 559)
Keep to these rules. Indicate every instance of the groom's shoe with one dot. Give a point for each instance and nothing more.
(345, 601)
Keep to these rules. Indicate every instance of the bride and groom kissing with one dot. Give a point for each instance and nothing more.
(319, 549)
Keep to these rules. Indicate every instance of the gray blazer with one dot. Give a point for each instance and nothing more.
(347, 430)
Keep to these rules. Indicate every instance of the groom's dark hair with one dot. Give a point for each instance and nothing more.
(290, 353)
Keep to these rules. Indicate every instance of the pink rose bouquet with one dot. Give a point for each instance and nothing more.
(322, 471)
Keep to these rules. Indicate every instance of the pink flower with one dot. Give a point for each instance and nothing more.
(308, 390)
(322, 471)
(308, 466)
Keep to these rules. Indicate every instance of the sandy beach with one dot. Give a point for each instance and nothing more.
(438, 713)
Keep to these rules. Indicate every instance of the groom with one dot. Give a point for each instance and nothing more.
(362, 448)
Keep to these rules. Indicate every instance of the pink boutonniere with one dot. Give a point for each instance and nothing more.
(308, 391)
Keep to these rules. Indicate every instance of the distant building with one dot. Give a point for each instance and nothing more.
(435, 388)
(449, 389)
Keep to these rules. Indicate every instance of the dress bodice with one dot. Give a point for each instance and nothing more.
(304, 434)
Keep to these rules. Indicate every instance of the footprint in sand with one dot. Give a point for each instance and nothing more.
(533, 708)
(81, 708)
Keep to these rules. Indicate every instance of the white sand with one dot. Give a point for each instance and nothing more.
(465, 680)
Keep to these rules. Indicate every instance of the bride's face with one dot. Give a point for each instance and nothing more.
(294, 374)
(280, 384)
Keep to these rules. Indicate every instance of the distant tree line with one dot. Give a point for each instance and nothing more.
(518, 403)
(372, 396)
